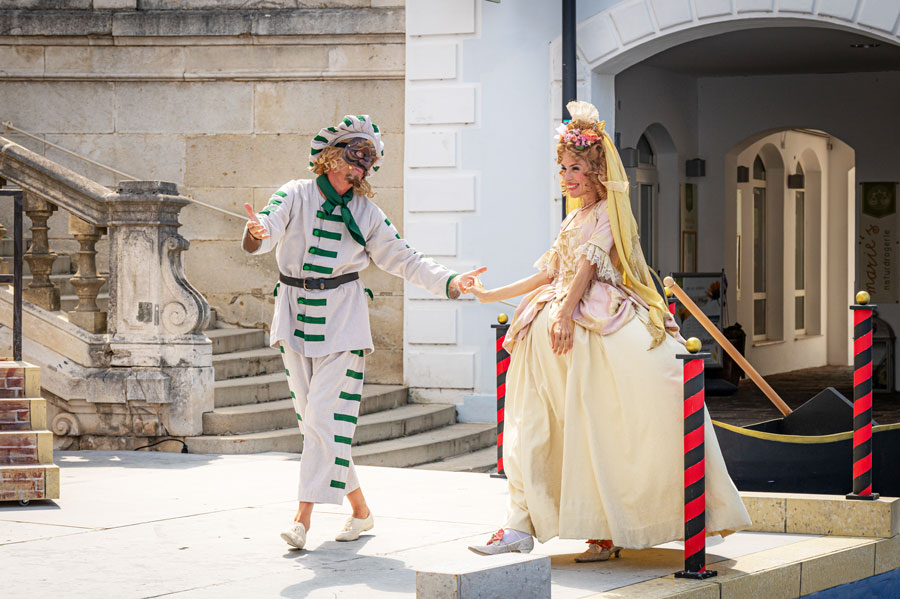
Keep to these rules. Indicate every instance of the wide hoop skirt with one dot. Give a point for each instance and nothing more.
(593, 440)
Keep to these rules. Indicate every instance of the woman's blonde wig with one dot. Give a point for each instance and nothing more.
(330, 159)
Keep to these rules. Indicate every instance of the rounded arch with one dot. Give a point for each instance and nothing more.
(627, 33)
(659, 138)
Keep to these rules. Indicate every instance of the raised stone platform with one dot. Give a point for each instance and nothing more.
(211, 524)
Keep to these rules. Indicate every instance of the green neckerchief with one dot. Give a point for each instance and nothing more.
(333, 200)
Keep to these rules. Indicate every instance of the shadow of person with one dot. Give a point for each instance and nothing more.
(339, 564)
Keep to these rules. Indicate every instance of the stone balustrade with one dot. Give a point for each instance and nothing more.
(144, 369)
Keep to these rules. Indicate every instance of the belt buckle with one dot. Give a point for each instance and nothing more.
(308, 282)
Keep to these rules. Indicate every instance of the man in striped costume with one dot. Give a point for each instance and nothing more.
(324, 231)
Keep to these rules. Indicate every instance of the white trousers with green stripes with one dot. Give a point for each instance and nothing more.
(326, 393)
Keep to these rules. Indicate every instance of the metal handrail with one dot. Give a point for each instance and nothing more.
(11, 127)
(16, 277)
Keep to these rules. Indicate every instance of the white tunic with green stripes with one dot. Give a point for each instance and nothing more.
(324, 334)
(309, 243)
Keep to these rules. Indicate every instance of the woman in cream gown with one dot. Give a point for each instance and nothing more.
(593, 438)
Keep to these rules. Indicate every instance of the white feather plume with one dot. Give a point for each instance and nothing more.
(583, 111)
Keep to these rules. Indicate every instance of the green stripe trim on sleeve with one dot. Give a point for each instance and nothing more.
(341, 439)
(299, 418)
(280, 194)
(274, 202)
(311, 319)
(338, 484)
(325, 270)
(287, 372)
(387, 221)
(354, 375)
(453, 276)
(350, 396)
(331, 217)
(308, 301)
(357, 352)
(266, 212)
(327, 234)
(345, 418)
(342, 462)
(281, 347)
(323, 253)
(293, 396)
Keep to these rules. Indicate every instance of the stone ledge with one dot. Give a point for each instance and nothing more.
(216, 23)
(508, 575)
(822, 514)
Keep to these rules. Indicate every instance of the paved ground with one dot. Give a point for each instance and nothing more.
(138, 524)
(749, 405)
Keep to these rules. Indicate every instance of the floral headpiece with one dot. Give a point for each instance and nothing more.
(584, 129)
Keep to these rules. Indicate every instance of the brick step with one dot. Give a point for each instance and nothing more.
(26, 447)
(229, 340)
(29, 482)
(67, 303)
(251, 362)
(427, 447)
(23, 414)
(379, 426)
(482, 460)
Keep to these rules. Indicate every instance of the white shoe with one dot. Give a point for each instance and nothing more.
(295, 535)
(505, 541)
(354, 527)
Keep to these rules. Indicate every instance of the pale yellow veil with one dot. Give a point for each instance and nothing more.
(632, 265)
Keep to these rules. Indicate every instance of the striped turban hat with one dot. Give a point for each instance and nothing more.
(351, 126)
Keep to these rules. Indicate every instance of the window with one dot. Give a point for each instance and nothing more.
(646, 223)
(759, 263)
(645, 152)
(759, 169)
(799, 258)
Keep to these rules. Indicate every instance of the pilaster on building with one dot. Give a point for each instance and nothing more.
(438, 191)
(27, 471)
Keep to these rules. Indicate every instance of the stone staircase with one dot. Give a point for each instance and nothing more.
(27, 471)
(253, 413)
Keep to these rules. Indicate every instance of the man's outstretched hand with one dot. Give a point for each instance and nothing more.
(465, 282)
(254, 227)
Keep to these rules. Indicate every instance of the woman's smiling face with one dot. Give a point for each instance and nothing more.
(574, 174)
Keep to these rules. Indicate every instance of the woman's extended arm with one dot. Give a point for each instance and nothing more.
(563, 327)
(521, 287)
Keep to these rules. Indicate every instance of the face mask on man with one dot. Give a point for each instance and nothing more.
(359, 152)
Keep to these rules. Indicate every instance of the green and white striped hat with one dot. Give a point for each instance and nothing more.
(351, 126)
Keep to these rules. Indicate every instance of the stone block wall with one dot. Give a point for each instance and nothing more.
(221, 98)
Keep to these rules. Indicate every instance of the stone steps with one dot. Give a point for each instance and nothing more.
(251, 389)
(483, 460)
(252, 362)
(230, 340)
(426, 447)
(378, 426)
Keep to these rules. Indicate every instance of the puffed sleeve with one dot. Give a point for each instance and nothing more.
(597, 250)
(275, 216)
(549, 263)
(391, 253)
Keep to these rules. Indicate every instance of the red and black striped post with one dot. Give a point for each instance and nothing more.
(502, 367)
(862, 398)
(694, 465)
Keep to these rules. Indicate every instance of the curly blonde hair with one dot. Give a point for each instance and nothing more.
(593, 156)
(330, 159)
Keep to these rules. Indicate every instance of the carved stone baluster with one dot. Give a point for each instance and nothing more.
(41, 290)
(87, 313)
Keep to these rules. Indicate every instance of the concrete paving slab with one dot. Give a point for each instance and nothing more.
(141, 525)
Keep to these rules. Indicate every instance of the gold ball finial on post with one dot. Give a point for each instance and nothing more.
(669, 292)
(693, 345)
(668, 282)
(863, 298)
(502, 318)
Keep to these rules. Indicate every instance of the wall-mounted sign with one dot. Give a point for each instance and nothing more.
(877, 243)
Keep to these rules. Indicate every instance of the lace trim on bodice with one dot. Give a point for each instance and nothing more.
(597, 256)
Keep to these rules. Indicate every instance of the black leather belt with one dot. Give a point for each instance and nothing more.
(318, 283)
